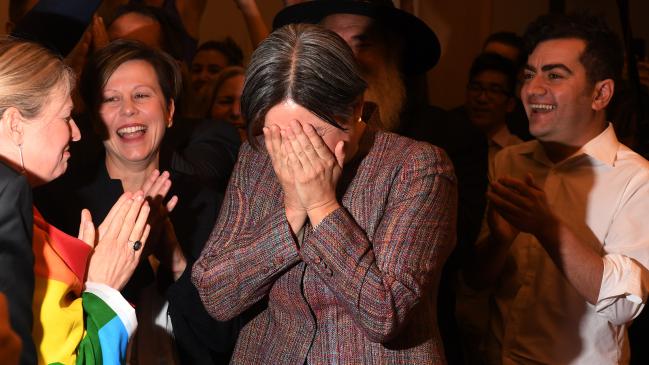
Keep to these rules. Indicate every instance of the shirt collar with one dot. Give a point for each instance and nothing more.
(602, 148)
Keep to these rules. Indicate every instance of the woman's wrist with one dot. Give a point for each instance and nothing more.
(295, 217)
(317, 214)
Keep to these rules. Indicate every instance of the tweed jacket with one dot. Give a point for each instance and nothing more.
(361, 286)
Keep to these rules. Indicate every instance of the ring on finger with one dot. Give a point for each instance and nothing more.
(135, 245)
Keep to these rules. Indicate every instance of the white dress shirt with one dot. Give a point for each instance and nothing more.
(537, 316)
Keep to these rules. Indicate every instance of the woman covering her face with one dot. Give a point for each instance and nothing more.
(343, 228)
(130, 91)
(63, 291)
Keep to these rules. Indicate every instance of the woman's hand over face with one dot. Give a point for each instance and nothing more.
(114, 259)
(295, 211)
(316, 170)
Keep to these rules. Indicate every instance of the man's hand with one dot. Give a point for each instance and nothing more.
(523, 205)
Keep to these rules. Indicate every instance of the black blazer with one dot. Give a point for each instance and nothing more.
(16, 257)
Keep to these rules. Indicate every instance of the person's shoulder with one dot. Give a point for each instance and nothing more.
(253, 158)
(629, 159)
(419, 154)
(7, 172)
(9, 176)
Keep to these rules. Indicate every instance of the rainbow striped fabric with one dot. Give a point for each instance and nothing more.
(73, 325)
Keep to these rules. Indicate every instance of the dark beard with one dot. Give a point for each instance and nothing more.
(387, 90)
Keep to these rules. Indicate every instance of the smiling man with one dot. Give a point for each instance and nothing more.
(568, 246)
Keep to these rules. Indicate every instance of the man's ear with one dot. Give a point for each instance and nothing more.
(12, 124)
(602, 94)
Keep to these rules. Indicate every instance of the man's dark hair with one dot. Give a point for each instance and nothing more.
(603, 56)
(494, 62)
(511, 39)
(307, 64)
(228, 47)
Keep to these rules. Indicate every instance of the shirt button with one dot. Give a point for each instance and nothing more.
(328, 271)
(316, 260)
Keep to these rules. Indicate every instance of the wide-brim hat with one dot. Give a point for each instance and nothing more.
(421, 46)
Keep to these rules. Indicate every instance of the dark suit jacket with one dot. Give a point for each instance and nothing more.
(16, 257)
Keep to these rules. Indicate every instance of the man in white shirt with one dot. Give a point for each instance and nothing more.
(568, 249)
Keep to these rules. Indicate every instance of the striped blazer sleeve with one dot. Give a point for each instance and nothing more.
(379, 281)
(245, 253)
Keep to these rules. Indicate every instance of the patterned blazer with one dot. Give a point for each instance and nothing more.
(361, 287)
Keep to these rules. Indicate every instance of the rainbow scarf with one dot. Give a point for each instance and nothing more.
(73, 325)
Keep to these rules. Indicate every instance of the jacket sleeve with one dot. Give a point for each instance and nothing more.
(110, 321)
(90, 329)
(380, 280)
(245, 253)
(17, 259)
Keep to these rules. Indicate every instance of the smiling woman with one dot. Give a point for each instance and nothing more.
(70, 283)
(130, 91)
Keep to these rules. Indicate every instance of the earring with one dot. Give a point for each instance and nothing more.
(22, 161)
(360, 120)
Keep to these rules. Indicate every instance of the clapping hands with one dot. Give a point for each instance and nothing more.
(167, 248)
(114, 257)
(517, 205)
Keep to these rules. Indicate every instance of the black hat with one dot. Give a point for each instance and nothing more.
(421, 46)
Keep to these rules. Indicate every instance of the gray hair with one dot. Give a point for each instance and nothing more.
(307, 64)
